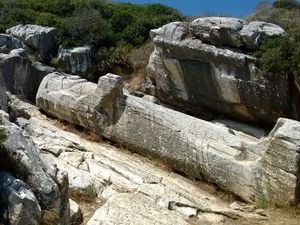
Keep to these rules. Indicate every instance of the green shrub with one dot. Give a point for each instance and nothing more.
(115, 28)
(289, 19)
(280, 56)
(108, 58)
(286, 4)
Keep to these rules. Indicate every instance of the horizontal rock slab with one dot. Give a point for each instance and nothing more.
(134, 209)
(198, 148)
(197, 76)
(38, 38)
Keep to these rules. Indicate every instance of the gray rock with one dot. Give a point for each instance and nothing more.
(75, 213)
(254, 33)
(198, 77)
(18, 204)
(77, 61)
(218, 30)
(104, 97)
(20, 157)
(3, 96)
(134, 209)
(10, 42)
(232, 32)
(198, 148)
(20, 75)
(38, 38)
(118, 171)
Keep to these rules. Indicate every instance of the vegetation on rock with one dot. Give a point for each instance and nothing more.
(280, 56)
(113, 28)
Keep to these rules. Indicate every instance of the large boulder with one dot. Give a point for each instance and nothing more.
(218, 30)
(196, 76)
(21, 76)
(233, 32)
(201, 149)
(77, 60)
(18, 205)
(20, 157)
(38, 38)
(254, 33)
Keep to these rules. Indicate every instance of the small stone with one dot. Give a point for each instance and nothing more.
(75, 213)
(260, 212)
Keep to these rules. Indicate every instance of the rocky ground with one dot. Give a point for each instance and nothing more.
(114, 186)
(55, 173)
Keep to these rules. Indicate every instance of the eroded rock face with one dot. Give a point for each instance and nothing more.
(198, 148)
(233, 32)
(77, 61)
(195, 75)
(8, 43)
(19, 156)
(21, 76)
(19, 204)
(38, 38)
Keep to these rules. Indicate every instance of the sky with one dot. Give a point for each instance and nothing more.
(237, 8)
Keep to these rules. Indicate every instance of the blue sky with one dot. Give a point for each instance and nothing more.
(238, 8)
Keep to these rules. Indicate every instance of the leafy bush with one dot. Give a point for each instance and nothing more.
(108, 58)
(286, 4)
(287, 18)
(280, 56)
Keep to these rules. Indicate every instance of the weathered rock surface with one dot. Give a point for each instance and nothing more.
(240, 164)
(233, 32)
(3, 96)
(19, 204)
(218, 30)
(21, 76)
(19, 156)
(255, 32)
(77, 60)
(8, 43)
(75, 213)
(191, 73)
(38, 38)
(134, 209)
(166, 193)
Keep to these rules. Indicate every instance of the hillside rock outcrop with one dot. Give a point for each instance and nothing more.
(240, 164)
(77, 60)
(233, 32)
(37, 38)
(8, 43)
(20, 157)
(20, 75)
(201, 67)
